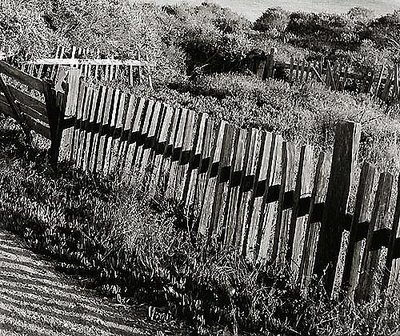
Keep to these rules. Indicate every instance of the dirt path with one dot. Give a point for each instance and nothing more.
(36, 300)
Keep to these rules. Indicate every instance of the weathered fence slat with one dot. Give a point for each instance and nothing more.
(188, 194)
(103, 129)
(287, 185)
(298, 223)
(267, 224)
(160, 151)
(222, 183)
(262, 178)
(321, 180)
(391, 278)
(88, 150)
(149, 142)
(247, 184)
(211, 181)
(236, 176)
(139, 108)
(205, 162)
(360, 219)
(98, 120)
(347, 139)
(177, 146)
(368, 286)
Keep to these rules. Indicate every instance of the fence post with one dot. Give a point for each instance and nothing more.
(270, 63)
(66, 123)
(347, 139)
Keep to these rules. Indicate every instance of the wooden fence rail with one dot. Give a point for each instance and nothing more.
(34, 103)
(244, 189)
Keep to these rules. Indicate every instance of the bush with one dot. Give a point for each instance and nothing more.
(272, 19)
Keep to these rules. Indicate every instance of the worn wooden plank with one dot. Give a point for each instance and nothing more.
(110, 141)
(161, 147)
(150, 142)
(79, 110)
(167, 157)
(22, 77)
(117, 133)
(29, 101)
(388, 84)
(82, 126)
(177, 148)
(212, 177)
(188, 194)
(291, 68)
(89, 138)
(185, 155)
(136, 126)
(318, 197)
(205, 163)
(130, 119)
(248, 184)
(6, 108)
(148, 116)
(109, 98)
(265, 238)
(262, 179)
(361, 216)
(368, 286)
(222, 185)
(67, 138)
(303, 66)
(99, 123)
(261, 68)
(124, 123)
(391, 278)
(38, 127)
(347, 139)
(298, 223)
(286, 194)
(236, 178)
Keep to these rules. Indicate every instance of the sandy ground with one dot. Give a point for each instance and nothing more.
(36, 300)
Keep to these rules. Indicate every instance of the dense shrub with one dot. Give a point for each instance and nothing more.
(273, 19)
(23, 29)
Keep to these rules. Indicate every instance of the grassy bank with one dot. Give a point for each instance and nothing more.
(135, 249)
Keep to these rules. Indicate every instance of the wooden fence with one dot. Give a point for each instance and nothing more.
(245, 189)
(92, 64)
(384, 84)
(35, 104)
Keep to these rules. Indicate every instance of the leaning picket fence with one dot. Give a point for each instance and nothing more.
(245, 189)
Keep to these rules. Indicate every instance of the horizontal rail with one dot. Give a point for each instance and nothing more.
(77, 61)
(32, 118)
(23, 77)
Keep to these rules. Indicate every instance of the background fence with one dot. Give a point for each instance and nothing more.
(92, 63)
(246, 189)
(384, 84)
